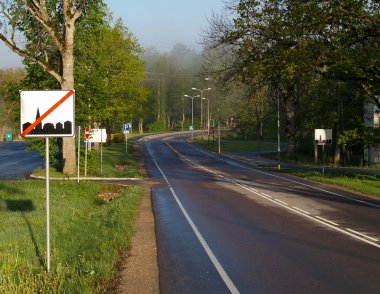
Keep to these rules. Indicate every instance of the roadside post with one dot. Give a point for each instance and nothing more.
(87, 135)
(323, 137)
(78, 138)
(126, 129)
(47, 114)
(99, 136)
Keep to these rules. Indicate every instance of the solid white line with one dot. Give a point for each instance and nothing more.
(363, 235)
(327, 221)
(282, 202)
(285, 179)
(320, 220)
(230, 285)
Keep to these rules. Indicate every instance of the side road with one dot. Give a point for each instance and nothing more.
(255, 159)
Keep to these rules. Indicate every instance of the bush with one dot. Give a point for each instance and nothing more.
(157, 127)
(118, 138)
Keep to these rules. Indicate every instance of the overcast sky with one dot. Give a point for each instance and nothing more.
(155, 23)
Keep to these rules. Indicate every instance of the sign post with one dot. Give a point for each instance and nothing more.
(46, 114)
(87, 135)
(126, 128)
(99, 136)
(323, 137)
(78, 135)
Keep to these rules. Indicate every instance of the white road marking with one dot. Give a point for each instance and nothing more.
(363, 235)
(230, 285)
(304, 211)
(320, 220)
(282, 202)
(327, 221)
(285, 179)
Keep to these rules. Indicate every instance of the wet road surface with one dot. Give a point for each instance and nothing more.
(224, 226)
(15, 162)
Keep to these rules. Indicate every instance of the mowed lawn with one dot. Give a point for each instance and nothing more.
(88, 235)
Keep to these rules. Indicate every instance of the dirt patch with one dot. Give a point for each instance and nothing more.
(139, 273)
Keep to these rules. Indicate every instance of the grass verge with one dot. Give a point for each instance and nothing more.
(363, 183)
(88, 233)
(116, 163)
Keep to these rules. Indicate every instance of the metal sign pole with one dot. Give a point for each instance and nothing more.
(78, 150)
(101, 152)
(126, 143)
(47, 208)
(323, 159)
(85, 159)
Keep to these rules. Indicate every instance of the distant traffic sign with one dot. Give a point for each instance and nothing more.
(87, 132)
(127, 127)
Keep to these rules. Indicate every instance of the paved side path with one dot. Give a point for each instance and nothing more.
(255, 159)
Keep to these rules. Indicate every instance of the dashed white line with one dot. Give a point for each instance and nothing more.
(318, 219)
(230, 285)
(327, 221)
(363, 235)
(299, 209)
(282, 202)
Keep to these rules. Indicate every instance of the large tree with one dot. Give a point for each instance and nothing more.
(284, 43)
(52, 24)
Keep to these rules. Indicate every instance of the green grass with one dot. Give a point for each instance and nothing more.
(363, 183)
(116, 163)
(87, 236)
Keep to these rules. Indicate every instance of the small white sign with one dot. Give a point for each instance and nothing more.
(47, 113)
(323, 136)
(98, 136)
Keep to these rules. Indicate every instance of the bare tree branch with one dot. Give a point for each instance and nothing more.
(45, 66)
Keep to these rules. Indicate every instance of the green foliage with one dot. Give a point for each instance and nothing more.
(157, 127)
(118, 138)
(55, 147)
(86, 237)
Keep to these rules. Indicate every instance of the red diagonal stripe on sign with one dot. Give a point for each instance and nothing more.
(50, 110)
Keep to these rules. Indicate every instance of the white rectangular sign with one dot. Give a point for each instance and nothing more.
(98, 136)
(47, 113)
(323, 136)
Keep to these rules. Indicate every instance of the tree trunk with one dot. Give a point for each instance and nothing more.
(68, 146)
(290, 128)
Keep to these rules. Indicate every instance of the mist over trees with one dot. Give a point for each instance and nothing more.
(321, 59)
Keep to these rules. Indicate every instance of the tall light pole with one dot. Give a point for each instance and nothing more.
(208, 89)
(192, 114)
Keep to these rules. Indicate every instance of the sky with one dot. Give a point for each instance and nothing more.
(155, 23)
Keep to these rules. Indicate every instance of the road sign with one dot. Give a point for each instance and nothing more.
(98, 136)
(323, 136)
(87, 132)
(191, 128)
(127, 127)
(47, 113)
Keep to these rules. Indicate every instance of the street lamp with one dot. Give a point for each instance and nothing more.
(208, 89)
(192, 114)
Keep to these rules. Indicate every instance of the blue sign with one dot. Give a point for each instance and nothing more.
(127, 127)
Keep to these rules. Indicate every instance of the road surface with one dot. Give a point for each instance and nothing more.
(15, 162)
(226, 227)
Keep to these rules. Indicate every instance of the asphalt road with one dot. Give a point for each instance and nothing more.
(15, 162)
(224, 226)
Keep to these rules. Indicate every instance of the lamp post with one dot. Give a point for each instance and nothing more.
(192, 114)
(208, 89)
